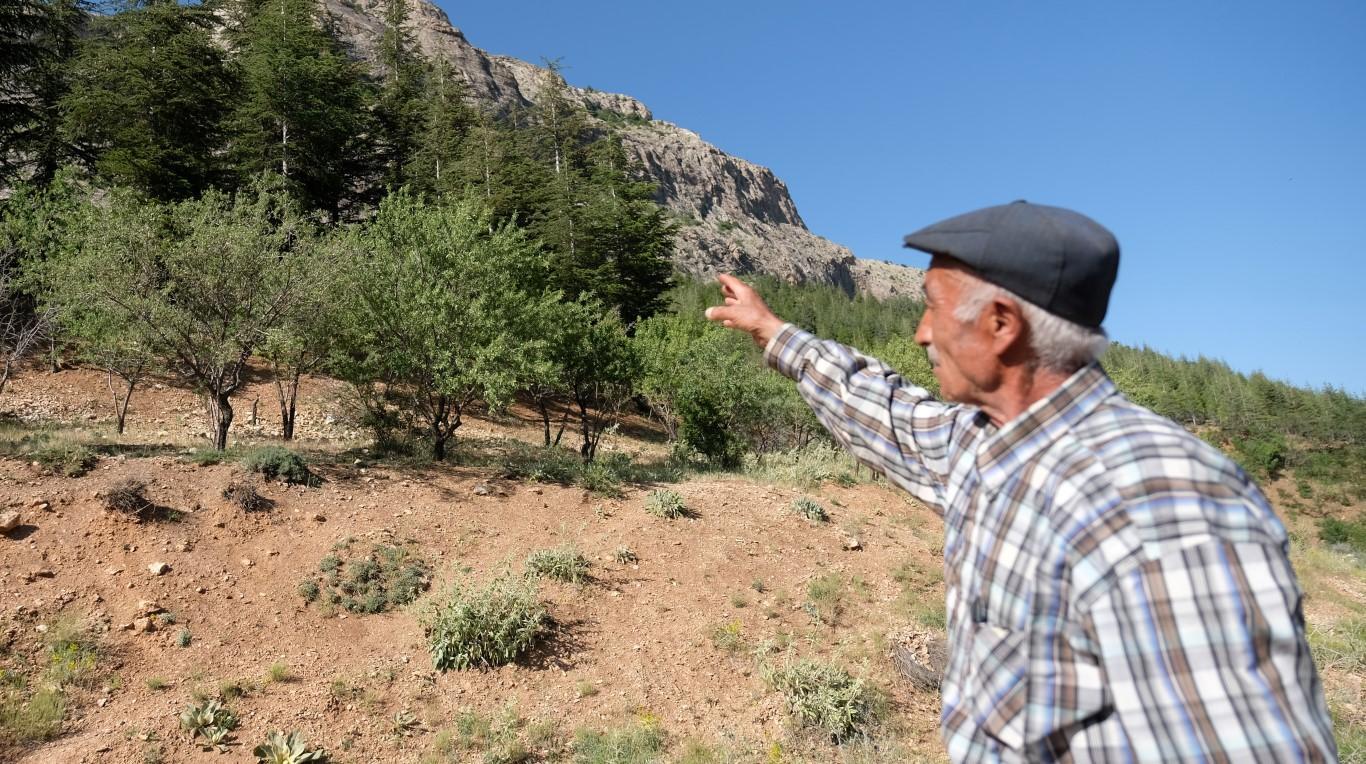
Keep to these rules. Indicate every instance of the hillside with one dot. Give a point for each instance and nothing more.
(735, 216)
(667, 648)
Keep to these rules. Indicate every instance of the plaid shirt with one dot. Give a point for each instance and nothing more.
(1117, 590)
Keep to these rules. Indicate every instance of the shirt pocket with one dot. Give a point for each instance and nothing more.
(999, 692)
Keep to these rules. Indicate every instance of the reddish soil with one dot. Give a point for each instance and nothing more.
(640, 633)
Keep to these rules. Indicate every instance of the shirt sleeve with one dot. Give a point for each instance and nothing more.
(886, 422)
(1205, 658)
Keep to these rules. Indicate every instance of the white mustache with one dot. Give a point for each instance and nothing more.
(934, 355)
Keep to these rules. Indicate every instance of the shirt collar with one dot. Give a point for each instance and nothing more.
(1042, 423)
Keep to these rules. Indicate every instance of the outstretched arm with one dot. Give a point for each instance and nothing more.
(885, 421)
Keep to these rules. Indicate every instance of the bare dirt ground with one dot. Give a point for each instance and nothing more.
(636, 640)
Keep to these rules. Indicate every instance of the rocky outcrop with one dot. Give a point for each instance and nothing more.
(733, 215)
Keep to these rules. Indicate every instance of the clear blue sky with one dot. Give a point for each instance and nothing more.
(1224, 143)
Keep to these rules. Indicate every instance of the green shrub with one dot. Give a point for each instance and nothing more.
(184, 638)
(563, 563)
(71, 460)
(493, 625)
(1351, 534)
(211, 723)
(385, 577)
(1263, 455)
(666, 504)
(279, 463)
(810, 509)
(640, 743)
(280, 748)
(625, 556)
(825, 697)
(601, 479)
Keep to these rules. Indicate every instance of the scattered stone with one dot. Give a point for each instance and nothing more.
(9, 521)
(246, 562)
(144, 624)
(852, 543)
(159, 568)
(483, 489)
(148, 607)
(320, 517)
(114, 571)
(38, 573)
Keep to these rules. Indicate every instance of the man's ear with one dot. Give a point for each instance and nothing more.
(1006, 324)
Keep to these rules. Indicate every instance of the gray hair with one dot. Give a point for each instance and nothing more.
(1058, 344)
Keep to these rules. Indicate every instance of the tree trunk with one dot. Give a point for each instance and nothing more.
(220, 419)
(121, 406)
(545, 419)
(289, 405)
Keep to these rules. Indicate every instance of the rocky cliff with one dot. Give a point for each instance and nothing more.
(733, 215)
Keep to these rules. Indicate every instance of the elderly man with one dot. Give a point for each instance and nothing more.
(1117, 589)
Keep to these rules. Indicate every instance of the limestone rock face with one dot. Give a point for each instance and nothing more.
(733, 215)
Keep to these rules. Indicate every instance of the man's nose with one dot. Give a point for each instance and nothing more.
(923, 336)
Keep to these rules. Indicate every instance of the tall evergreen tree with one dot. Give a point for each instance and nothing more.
(148, 96)
(303, 110)
(400, 110)
(37, 42)
(448, 122)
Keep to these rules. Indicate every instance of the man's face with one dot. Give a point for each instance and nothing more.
(960, 352)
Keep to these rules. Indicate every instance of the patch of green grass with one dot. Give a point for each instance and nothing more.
(729, 637)
(184, 638)
(29, 716)
(69, 460)
(825, 598)
(156, 683)
(492, 625)
(384, 577)
(825, 697)
(565, 563)
(503, 738)
(666, 504)
(279, 673)
(638, 743)
(809, 467)
(585, 689)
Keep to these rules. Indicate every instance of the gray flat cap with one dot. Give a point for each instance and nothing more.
(1060, 260)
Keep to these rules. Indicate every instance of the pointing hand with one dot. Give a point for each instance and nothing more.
(745, 310)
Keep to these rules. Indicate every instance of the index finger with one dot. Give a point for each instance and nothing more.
(731, 286)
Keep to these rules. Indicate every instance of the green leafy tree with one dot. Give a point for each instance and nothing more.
(598, 366)
(303, 112)
(438, 314)
(148, 96)
(202, 282)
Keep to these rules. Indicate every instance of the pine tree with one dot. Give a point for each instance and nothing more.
(37, 42)
(448, 122)
(148, 96)
(303, 110)
(400, 111)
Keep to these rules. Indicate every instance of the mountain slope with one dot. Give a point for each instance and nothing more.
(734, 215)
